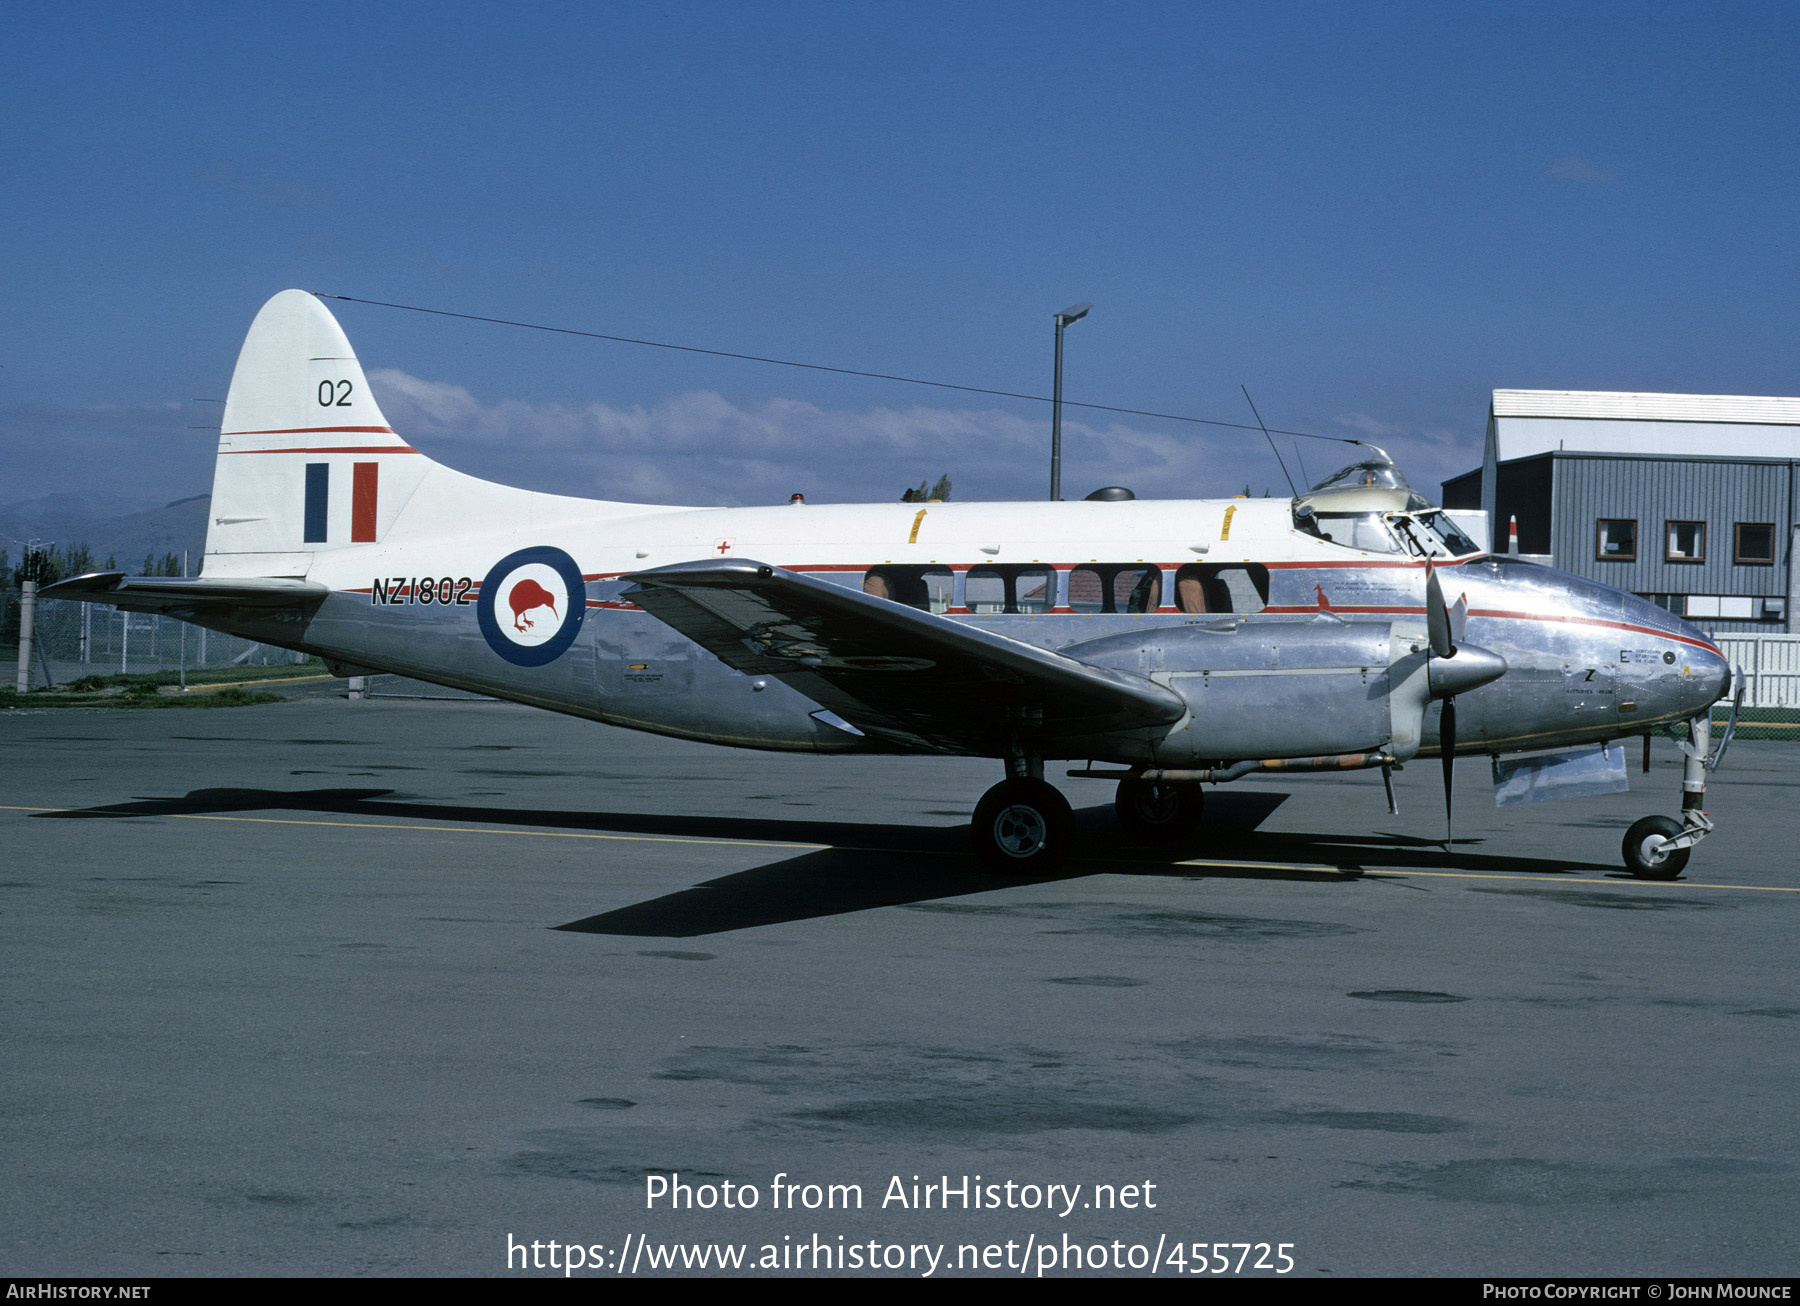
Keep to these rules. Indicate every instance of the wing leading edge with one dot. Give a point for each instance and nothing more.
(893, 671)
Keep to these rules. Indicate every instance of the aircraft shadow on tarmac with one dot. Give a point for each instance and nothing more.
(864, 866)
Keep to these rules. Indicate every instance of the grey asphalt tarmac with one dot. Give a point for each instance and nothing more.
(326, 987)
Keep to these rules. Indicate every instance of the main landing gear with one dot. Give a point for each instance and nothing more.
(1023, 826)
(1158, 813)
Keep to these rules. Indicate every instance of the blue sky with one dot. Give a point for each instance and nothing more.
(1370, 215)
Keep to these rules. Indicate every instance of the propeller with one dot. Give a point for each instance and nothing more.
(1451, 667)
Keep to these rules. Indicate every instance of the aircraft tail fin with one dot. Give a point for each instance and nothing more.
(307, 462)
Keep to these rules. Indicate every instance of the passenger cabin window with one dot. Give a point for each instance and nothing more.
(1754, 545)
(1615, 540)
(1687, 542)
(928, 589)
(995, 590)
(1115, 587)
(1200, 587)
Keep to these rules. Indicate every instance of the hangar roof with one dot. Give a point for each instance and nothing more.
(1530, 422)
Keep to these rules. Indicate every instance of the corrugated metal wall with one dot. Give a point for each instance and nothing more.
(1655, 491)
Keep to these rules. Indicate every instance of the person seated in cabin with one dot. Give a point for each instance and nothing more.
(1146, 595)
(902, 585)
(1199, 592)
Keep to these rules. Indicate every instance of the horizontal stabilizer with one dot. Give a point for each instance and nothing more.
(894, 670)
(175, 595)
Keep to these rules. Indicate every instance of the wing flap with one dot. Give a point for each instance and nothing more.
(890, 669)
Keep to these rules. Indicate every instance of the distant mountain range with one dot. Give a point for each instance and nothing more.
(67, 520)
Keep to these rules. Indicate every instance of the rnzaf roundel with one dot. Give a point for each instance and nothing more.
(531, 606)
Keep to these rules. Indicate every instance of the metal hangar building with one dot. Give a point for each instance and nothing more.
(1687, 500)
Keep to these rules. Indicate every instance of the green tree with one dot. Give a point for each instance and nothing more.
(927, 492)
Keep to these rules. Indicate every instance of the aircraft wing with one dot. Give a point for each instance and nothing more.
(179, 596)
(892, 670)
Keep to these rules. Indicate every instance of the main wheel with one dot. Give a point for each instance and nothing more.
(1023, 827)
(1644, 853)
(1158, 812)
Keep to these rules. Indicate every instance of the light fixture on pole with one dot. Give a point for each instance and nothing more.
(1074, 313)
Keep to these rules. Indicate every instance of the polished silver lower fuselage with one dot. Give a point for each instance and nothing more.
(1310, 674)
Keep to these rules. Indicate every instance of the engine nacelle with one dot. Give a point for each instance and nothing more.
(1280, 689)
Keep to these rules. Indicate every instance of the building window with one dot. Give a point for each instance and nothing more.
(1754, 544)
(1686, 542)
(1616, 540)
(1725, 607)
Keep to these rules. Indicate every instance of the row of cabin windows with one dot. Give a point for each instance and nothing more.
(1093, 588)
(1752, 542)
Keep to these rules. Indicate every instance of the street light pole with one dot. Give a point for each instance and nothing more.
(1074, 313)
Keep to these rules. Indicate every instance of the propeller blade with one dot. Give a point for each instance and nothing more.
(1437, 616)
(1459, 619)
(1447, 749)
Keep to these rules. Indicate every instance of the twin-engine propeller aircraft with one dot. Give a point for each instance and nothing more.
(1177, 642)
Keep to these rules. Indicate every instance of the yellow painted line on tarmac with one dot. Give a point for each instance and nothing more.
(442, 829)
(1514, 877)
(1522, 876)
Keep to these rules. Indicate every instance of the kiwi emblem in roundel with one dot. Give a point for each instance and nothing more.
(531, 606)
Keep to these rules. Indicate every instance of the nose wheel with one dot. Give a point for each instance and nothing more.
(1650, 850)
(1023, 826)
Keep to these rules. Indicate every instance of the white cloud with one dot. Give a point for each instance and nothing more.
(1582, 170)
(702, 448)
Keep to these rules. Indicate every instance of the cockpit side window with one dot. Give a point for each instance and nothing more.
(1367, 531)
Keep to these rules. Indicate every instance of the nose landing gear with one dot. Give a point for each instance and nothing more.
(1656, 848)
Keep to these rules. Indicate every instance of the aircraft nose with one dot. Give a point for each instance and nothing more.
(1711, 675)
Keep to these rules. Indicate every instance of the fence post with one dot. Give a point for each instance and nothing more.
(27, 608)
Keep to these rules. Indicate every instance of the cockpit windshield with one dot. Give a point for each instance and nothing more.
(1417, 535)
(1369, 506)
(1445, 535)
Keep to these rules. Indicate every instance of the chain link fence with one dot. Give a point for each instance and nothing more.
(71, 640)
